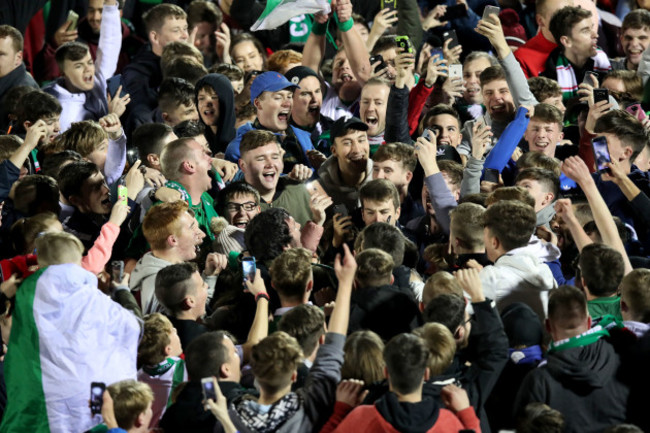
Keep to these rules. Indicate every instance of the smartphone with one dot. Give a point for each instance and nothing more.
(491, 175)
(451, 34)
(73, 17)
(637, 111)
(491, 10)
(389, 4)
(96, 397)
(209, 393)
(248, 268)
(117, 270)
(601, 95)
(589, 78)
(341, 209)
(601, 153)
(404, 42)
(114, 83)
(123, 192)
(378, 58)
(456, 71)
(437, 52)
(132, 155)
(453, 12)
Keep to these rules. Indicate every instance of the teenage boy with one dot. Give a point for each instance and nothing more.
(130, 408)
(544, 186)
(82, 89)
(372, 109)
(516, 276)
(164, 23)
(466, 234)
(349, 167)
(593, 363)
(577, 52)
(12, 69)
(544, 130)
(292, 279)
(275, 360)
(407, 359)
(635, 38)
(262, 164)
(599, 274)
(396, 162)
(272, 97)
(635, 301)
(547, 91)
(379, 202)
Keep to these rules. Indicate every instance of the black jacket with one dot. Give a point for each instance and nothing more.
(142, 77)
(226, 123)
(387, 310)
(583, 383)
(17, 77)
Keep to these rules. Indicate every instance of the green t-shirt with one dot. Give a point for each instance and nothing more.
(601, 306)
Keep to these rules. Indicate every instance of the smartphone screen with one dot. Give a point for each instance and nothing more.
(114, 83)
(601, 152)
(209, 393)
(96, 397)
(248, 268)
(117, 270)
(436, 53)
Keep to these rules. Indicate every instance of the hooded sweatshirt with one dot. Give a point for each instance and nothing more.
(391, 415)
(581, 383)
(519, 276)
(226, 123)
(332, 183)
(143, 278)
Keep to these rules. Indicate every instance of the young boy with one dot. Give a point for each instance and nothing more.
(516, 276)
(103, 143)
(292, 279)
(162, 369)
(132, 407)
(79, 336)
(82, 89)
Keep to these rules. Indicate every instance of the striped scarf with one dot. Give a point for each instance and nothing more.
(566, 76)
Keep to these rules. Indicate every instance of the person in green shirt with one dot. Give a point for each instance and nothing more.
(601, 270)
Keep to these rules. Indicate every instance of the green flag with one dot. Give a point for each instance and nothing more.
(278, 12)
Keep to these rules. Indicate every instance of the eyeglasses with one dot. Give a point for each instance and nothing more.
(235, 207)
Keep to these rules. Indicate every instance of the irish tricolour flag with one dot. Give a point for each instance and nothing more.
(278, 12)
(65, 335)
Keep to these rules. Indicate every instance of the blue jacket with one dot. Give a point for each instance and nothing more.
(232, 152)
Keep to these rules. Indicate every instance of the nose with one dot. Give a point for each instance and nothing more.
(201, 234)
(380, 174)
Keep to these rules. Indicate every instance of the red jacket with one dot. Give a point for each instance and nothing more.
(533, 54)
(367, 418)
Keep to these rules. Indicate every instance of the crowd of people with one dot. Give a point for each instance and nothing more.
(408, 216)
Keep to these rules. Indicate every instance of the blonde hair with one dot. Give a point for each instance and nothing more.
(56, 248)
(290, 273)
(635, 291)
(82, 137)
(274, 359)
(155, 337)
(177, 49)
(363, 357)
(441, 345)
(281, 59)
(130, 399)
(439, 283)
(375, 267)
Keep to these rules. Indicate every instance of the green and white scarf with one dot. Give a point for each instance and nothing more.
(566, 76)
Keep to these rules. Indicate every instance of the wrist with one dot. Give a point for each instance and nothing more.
(319, 29)
(262, 295)
(344, 26)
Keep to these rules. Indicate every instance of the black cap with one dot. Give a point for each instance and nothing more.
(296, 74)
(343, 124)
(447, 152)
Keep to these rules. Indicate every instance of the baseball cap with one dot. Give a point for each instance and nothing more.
(343, 124)
(269, 82)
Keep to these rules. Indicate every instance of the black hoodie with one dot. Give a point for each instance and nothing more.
(583, 384)
(408, 417)
(226, 123)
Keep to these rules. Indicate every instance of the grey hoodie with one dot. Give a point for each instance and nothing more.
(330, 180)
(143, 278)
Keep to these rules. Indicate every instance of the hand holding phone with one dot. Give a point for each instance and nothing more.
(73, 18)
(601, 95)
(451, 34)
(248, 268)
(207, 385)
(378, 58)
(96, 397)
(455, 71)
(117, 271)
(601, 153)
(491, 10)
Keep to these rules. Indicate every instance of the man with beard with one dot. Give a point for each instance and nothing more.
(349, 167)
(577, 53)
(307, 103)
(272, 96)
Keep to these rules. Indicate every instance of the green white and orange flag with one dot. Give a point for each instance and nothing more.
(65, 335)
(278, 12)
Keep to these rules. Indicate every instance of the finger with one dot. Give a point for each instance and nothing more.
(136, 165)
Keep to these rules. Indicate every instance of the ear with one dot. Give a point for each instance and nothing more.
(19, 58)
(188, 166)
(165, 116)
(153, 160)
(310, 285)
(409, 176)
(398, 211)
(589, 321)
(139, 420)
(385, 372)
(242, 165)
(321, 339)
(624, 306)
(459, 335)
(224, 371)
(168, 350)
(427, 374)
(392, 279)
(421, 306)
(548, 198)
(27, 124)
(188, 303)
(539, 20)
(257, 103)
(153, 37)
(565, 41)
(75, 201)
(627, 152)
(333, 149)
(171, 241)
(561, 136)
(294, 376)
